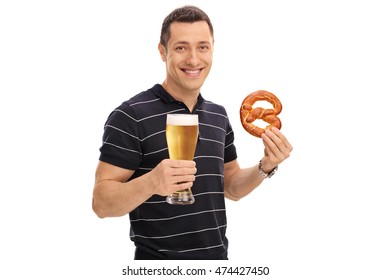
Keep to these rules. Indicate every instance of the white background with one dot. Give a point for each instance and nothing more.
(65, 65)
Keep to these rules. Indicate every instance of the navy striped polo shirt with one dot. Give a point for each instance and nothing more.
(134, 138)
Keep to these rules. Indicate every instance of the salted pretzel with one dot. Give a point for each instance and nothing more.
(248, 114)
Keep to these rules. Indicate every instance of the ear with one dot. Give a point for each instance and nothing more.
(163, 52)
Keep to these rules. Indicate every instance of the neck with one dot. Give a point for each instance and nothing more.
(188, 97)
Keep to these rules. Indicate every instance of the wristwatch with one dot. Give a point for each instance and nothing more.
(264, 174)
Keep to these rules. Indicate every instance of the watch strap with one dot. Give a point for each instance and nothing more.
(265, 174)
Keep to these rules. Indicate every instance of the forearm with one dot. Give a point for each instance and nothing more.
(114, 199)
(242, 182)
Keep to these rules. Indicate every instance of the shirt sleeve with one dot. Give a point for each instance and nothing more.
(230, 149)
(121, 145)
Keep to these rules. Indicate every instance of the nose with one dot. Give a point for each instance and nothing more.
(192, 58)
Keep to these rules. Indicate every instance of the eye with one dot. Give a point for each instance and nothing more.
(180, 48)
(204, 48)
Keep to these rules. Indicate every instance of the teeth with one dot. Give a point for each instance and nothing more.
(192, 71)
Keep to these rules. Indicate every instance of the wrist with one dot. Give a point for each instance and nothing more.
(266, 171)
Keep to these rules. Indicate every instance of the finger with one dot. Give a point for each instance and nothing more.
(269, 139)
(278, 140)
(274, 147)
(181, 163)
(281, 136)
(180, 171)
(270, 155)
(185, 178)
(182, 186)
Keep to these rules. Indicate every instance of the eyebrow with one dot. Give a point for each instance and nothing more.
(187, 43)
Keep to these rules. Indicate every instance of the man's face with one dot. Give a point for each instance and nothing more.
(188, 56)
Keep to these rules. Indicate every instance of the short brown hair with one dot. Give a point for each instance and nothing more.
(187, 14)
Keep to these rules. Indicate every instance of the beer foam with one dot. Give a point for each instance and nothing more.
(182, 119)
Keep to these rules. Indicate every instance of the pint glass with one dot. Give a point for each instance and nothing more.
(182, 136)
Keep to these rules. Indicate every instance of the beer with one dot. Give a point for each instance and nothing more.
(182, 136)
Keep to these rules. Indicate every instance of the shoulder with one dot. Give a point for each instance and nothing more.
(141, 98)
(137, 103)
(213, 108)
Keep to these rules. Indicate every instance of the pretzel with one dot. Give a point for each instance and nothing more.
(248, 114)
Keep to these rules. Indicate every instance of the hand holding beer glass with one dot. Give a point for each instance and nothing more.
(182, 136)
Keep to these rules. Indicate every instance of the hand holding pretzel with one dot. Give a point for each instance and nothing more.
(248, 114)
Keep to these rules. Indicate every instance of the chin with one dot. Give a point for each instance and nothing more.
(194, 87)
(195, 84)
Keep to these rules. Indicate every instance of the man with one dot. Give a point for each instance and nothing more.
(135, 174)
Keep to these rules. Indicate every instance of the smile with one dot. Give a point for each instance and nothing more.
(192, 72)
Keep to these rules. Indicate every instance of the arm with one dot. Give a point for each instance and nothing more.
(240, 182)
(114, 197)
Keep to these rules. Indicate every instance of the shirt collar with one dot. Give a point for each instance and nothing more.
(159, 91)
